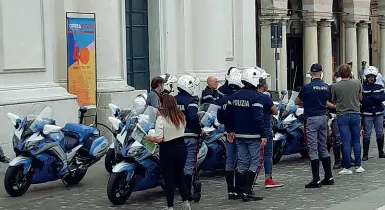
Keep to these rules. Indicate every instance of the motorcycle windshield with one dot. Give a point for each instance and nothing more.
(291, 102)
(207, 113)
(44, 118)
(148, 118)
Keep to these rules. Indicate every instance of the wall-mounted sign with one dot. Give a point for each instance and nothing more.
(81, 57)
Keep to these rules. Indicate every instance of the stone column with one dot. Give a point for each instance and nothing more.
(325, 51)
(351, 46)
(310, 47)
(267, 53)
(282, 74)
(363, 43)
(382, 48)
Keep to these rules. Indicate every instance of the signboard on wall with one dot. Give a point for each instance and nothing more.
(81, 57)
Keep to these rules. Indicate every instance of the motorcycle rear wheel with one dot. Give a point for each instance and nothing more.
(14, 177)
(74, 179)
(277, 151)
(118, 191)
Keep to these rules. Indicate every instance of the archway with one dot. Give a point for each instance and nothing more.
(294, 45)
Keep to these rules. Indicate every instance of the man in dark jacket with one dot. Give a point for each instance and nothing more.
(188, 103)
(372, 111)
(234, 191)
(245, 116)
(210, 94)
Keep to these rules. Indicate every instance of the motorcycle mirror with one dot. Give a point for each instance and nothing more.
(51, 129)
(115, 123)
(14, 119)
(114, 109)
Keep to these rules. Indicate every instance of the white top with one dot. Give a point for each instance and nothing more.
(167, 130)
(379, 79)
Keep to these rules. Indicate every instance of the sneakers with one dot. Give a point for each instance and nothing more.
(346, 172)
(314, 184)
(329, 181)
(270, 183)
(186, 206)
(359, 169)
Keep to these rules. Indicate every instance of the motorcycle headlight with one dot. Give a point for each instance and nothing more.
(30, 145)
(15, 140)
(134, 151)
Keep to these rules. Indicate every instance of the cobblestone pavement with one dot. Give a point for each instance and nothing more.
(293, 171)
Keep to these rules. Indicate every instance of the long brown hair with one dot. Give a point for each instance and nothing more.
(170, 110)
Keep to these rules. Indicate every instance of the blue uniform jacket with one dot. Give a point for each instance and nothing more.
(372, 97)
(189, 106)
(209, 96)
(221, 115)
(225, 90)
(314, 96)
(245, 114)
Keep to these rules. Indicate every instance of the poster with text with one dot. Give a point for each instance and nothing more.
(81, 62)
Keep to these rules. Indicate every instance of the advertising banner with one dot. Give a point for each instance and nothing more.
(81, 57)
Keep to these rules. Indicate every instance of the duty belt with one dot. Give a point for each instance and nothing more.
(371, 114)
(248, 136)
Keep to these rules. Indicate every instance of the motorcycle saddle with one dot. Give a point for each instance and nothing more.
(70, 142)
(80, 132)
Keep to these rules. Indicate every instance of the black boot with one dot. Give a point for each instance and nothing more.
(365, 145)
(229, 175)
(4, 159)
(327, 165)
(380, 146)
(239, 184)
(188, 180)
(248, 194)
(315, 183)
(337, 156)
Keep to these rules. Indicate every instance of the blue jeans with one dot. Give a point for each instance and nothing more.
(350, 127)
(337, 133)
(249, 155)
(268, 156)
(231, 155)
(377, 121)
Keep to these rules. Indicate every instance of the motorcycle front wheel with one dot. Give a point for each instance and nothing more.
(277, 151)
(109, 161)
(15, 182)
(118, 190)
(74, 179)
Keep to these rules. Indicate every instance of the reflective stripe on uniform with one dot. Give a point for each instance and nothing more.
(191, 135)
(257, 105)
(247, 136)
(378, 91)
(208, 96)
(367, 91)
(220, 93)
(195, 105)
(371, 114)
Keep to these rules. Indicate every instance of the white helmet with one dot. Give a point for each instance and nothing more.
(189, 84)
(139, 103)
(169, 81)
(236, 78)
(230, 71)
(251, 76)
(371, 70)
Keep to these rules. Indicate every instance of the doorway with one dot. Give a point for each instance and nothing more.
(294, 62)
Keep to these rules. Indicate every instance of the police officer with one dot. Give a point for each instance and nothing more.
(234, 82)
(245, 123)
(188, 102)
(315, 96)
(225, 89)
(210, 94)
(372, 111)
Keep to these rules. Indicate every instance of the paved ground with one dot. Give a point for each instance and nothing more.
(358, 191)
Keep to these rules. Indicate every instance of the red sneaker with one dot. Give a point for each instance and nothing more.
(270, 183)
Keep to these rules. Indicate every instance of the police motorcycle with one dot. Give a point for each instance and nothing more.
(289, 132)
(212, 152)
(39, 144)
(138, 107)
(139, 169)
